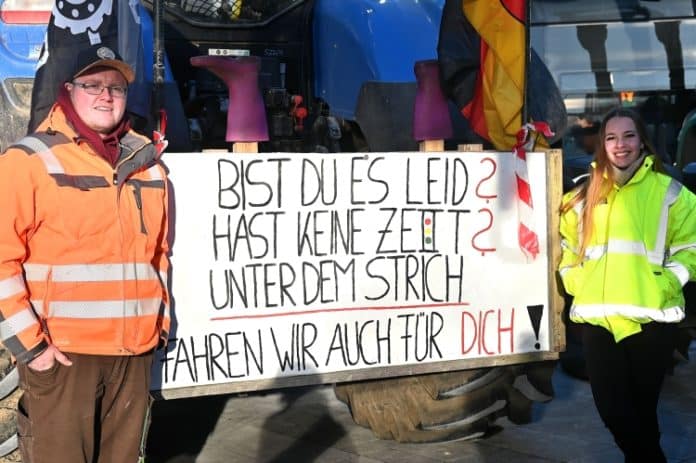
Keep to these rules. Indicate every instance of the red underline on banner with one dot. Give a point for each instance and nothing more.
(341, 309)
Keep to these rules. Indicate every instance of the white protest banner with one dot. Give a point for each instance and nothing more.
(307, 264)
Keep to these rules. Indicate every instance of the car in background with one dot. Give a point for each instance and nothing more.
(22, 31)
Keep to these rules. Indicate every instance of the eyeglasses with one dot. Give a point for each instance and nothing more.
(115, 91)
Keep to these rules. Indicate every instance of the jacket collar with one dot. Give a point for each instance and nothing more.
(646, 166)
(56, 121)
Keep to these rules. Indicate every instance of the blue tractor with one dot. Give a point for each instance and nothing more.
(338, 76)
(335, 76)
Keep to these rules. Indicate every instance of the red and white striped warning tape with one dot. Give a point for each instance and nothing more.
(527, 236)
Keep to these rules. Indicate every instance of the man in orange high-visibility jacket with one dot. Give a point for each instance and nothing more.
(83, 270)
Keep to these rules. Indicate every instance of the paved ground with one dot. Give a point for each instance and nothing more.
(311, 425)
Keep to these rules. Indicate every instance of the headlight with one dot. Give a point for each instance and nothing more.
(19, 92)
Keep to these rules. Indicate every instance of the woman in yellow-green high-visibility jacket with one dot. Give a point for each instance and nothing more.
(629, 246)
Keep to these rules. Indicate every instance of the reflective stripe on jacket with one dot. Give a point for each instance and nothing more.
(83, 246)
(641, 253)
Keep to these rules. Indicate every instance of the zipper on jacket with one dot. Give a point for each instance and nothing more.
(138, 186)
(120, 225)
(120, 230)
(138, 200)
(125, 159)
(610, 206)
(137, 192)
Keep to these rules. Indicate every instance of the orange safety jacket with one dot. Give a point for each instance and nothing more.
(83, 245)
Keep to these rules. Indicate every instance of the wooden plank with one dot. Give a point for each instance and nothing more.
(431, 145)
(245, 147)
(353, 375)
(475, 147)
(554, 194)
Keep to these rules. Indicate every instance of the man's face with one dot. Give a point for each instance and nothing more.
(104, 111)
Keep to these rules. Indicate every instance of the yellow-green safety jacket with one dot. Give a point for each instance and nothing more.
(640, 255)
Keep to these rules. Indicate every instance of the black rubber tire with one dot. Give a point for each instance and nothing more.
(447, 406)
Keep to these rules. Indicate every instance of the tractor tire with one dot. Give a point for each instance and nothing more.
(447, 406)
(9, 396)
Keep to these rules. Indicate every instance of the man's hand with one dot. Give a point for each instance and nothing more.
(47, 358)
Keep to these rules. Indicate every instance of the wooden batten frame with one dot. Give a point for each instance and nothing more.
(471, 147)
(431, 145)
(554, 191)
(554, 195)
(245, 147)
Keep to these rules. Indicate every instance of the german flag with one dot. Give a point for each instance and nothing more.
(495, 112)
(482, 52)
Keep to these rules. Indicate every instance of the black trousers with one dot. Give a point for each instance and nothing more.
(626, 379)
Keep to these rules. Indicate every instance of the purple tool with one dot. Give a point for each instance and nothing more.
(246, 115)
(431, 119)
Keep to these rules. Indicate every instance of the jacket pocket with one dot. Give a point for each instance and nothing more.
(670, 288)
(149, 196)
(24, 432)
(38, 383)
(85, 212)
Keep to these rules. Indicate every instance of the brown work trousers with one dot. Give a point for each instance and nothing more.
(95, 411)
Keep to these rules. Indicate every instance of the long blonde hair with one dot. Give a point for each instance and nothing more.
(595, 190)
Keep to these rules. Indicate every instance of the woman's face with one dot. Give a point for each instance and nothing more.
(622, 142)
